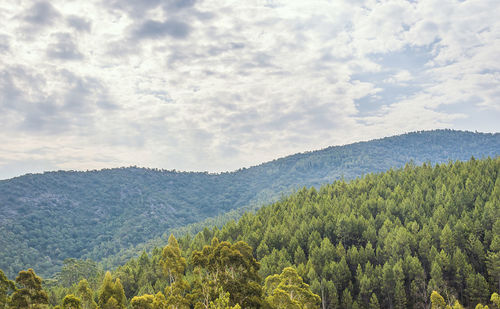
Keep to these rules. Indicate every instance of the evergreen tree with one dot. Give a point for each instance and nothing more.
(111, 294)
(477, 289)
(374, 302)
(346, 299)
(493, 257)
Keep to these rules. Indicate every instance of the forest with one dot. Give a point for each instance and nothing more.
(45, 218)
(424, 236)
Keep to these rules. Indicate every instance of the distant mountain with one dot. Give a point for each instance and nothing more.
(45, 218)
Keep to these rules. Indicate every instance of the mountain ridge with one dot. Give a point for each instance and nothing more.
(251, 166)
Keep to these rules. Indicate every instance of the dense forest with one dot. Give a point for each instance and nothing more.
(413, 237)
(103, 215)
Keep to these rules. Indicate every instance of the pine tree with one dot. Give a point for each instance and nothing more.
(111, 294)
(493, 257)
(374, 302)
(346, 299)
(477, 289)
(399, 293)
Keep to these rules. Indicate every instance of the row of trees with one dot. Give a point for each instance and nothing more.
(219, 267)
(225, 275)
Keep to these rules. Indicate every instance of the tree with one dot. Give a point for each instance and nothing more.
(112, 303)
(86, 295)
(288, 290)
(399, 293)
(493, 258)
(30, 294)
(222, 302)
(172, 261)
(71, 302)
(477, 289)
(346, 299)
(74, 270)
(174, 265)
(142, 302)
(111, 294)
(6, 287)
(374, 302)
(231, 267)
(437, 301)
(495, 298)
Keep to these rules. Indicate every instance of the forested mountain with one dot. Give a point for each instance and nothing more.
(45, 218)
(399, 239)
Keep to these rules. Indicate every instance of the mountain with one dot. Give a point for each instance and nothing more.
(385, 240)
(46, 218)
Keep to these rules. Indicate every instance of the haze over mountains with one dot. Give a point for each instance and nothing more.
(45, 218)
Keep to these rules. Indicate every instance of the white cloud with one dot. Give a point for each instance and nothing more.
(217, 85)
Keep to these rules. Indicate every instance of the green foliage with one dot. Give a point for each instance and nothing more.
(288, 290)
(30, 293)
(383, 234)
(380, 241)
(172, 261)
(222, 302)
(6, 287)
(103, 215)
(111, 294)
(142, 302)
(374, 302)
(71, 302)
(74, 270)
(85, 293)
(437, 301)
(230, 267)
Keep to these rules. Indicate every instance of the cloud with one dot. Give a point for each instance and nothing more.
(41, 14)
(140, 9)
(217, 85)
(79, 23)
(28, 105)
(64, 48)
(4, 43)
(151, 29)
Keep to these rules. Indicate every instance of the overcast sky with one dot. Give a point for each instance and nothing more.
(214, 85)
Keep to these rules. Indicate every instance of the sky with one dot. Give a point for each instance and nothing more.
(216, 85)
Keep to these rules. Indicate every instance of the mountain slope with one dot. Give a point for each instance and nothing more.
(45, 218)
(398, 235)
(394, 236)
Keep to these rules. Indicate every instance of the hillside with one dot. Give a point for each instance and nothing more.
(45, 218)
(382, 241)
